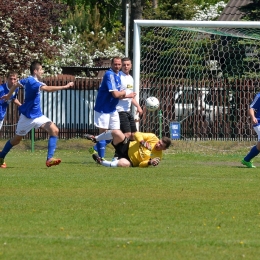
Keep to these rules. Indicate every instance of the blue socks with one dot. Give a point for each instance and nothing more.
(52, 143)
(100, 147)
(253, 153)
(6, 149)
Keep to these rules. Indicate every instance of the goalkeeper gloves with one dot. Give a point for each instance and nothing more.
(154, 161)
(146, 145)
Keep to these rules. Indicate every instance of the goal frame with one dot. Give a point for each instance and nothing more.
(138, 24)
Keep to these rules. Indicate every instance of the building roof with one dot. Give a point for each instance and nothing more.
(234, 10)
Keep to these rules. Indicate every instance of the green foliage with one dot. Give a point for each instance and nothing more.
(26, 32)
(92, 29)
(171, 10)
(252, 11)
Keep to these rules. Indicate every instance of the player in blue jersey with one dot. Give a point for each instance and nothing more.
(12, 78)
(31, 114)
(105, 113)
(254, 112)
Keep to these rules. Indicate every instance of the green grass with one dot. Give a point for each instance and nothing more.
(191, 206)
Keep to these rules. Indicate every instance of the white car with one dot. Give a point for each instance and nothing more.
(208, 102)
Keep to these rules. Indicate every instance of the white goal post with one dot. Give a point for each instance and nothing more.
(191, 26)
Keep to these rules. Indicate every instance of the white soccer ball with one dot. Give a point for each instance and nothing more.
(152, 103)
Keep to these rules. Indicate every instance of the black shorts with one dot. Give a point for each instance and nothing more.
(122, 149)
(127, 122)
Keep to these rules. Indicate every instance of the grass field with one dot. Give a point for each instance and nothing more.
(194, 205)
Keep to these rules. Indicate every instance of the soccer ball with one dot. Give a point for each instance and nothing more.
(152, 103)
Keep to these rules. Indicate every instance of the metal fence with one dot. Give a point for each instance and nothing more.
(204, 112)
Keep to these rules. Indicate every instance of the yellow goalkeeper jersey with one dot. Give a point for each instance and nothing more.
(140, 155)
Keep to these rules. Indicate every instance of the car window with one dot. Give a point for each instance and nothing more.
(186, 97)
(218, 97)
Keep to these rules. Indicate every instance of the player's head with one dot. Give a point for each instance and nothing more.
(116, 64)
(163, 144)
(126, 65)
(12, 78)
(36, 69)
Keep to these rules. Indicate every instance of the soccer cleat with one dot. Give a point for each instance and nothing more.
(90, 137)
(96, 158)
(91, 150)
(2, 163)
(248, 164)
(53, 162)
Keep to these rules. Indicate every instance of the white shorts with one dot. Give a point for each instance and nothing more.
(257, 130)
(25, 124)
(107, 121)
(1, 124)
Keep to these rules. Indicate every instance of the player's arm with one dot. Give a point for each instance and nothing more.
(152, 162)
(118, 94)
(11, 91)
(143, 138)
(139, 109)
(251, 113)
(17, 102)
(56, 88)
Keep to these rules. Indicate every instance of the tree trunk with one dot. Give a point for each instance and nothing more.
(135, 14)
(155, 4)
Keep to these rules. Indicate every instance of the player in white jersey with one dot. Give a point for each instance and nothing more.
(127, 121)
(31, 113)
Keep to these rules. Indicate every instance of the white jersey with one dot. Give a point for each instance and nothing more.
(127, 84)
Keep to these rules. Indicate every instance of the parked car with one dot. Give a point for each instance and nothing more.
(208, 102)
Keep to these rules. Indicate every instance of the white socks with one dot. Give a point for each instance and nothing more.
(110, 163)
(107, 135)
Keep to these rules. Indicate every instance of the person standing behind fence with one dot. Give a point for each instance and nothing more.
(105, 113)
(12, 78)
(254, 113)
(31, 115)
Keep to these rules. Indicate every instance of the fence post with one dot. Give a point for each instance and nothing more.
(160, 123)
(32, 140)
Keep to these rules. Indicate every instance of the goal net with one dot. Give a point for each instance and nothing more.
(205, 74)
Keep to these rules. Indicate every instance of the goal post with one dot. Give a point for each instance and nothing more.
(204, 73)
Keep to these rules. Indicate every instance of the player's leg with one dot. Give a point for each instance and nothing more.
(125, 126)
(116, 163)
(132, 126)
(122, 151)
(101, 120)
(24, 125)
(53, 132)
(101, 145)
(247, 161)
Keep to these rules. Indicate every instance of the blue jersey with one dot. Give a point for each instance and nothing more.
(256, 106)
(105, 102)
(4, 104)
(31, 107)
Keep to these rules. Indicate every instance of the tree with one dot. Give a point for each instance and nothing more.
(252, 11)
(26, 32)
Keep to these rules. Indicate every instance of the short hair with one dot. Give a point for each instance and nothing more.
(34, 66)
(115, 58)
(126, 59)
(11, 73)
(167, 141)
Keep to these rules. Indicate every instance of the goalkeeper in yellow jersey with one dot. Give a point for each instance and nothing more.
(144, 151)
